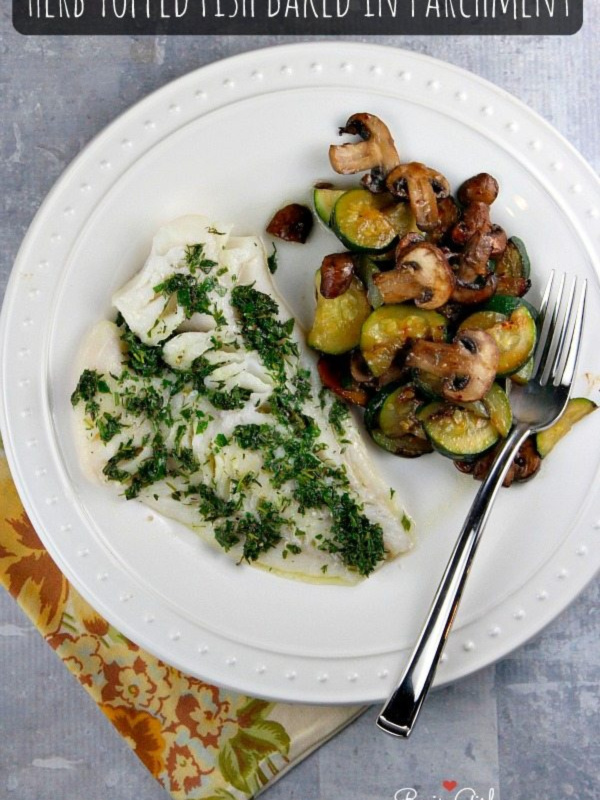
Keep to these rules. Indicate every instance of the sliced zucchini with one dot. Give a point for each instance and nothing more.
(408, 446)
(401, 217)
(513, 269)
(359, 221)
(338, 322)
(577, 408)
(498, 408)
(515, 335)
(429, 385)
(523, 375)
(367, 267)
(388, 329)
(324, 200)
(391, 419)
(506, 304)
(457, 432)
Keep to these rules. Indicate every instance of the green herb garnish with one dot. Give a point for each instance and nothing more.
(89, 385)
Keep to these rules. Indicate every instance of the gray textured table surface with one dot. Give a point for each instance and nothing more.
(526, 728)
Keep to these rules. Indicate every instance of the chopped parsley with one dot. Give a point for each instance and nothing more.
(89, 385)
(262, 330)
(195, 260)
(143, 359)
(108, 426)
(192, 296)
(338, 415)
(258, 532)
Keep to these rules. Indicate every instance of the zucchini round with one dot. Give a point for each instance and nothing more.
(388, 329)
(497, 405)
(506, 304)
(515, 336)
(513, 269)
(429, 385)
(457, 432)
(391, 419)
(360, 224)
(324, 199)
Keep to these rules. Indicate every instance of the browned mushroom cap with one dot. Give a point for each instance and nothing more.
(422, 186)
(421, 274)
(293, 223)
(407, 241)
(480, 188)
(468, 365)
(477, 292)
(336, 274)
(377, 152)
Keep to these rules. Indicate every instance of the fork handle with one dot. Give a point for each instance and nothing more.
(400, 712)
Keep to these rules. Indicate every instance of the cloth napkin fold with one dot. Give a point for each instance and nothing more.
(199, 741)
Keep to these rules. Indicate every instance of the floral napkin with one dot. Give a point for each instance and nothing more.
(199, 741)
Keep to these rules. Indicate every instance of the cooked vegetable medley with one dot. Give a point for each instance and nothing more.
(422, 319)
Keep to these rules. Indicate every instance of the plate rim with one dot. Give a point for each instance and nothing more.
(171, 88)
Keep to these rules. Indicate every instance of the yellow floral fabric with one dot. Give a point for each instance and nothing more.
(199, 741)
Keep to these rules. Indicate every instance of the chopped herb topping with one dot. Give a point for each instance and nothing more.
(108, 426)
(262, 330)
(257, 532)
(194, 259)
(89, 385)
(143, 359)
(192, 296)
(176, 403)
(338, 415)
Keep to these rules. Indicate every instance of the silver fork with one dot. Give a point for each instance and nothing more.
(536, 406)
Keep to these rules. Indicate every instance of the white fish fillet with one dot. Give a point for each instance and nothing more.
(155, 318)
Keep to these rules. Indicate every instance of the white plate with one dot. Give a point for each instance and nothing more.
(236, 140)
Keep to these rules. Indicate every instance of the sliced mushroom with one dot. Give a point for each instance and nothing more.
(473, 262)
(377, 151)
(474, 281)
(293, 223)
(475, 219)
(477, 292)
(421, 274)
(449, 215)
(468, 365)
(336, 274)
(423, 187)
(407, 241)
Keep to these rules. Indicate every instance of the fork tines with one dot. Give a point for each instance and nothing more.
(559, 325)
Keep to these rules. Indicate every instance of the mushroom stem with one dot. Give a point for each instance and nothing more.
(422, 186)
(468, 365)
